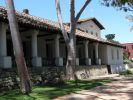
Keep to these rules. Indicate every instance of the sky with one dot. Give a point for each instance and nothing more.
(112, 19)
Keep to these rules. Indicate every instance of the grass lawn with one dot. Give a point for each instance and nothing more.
(51, 91)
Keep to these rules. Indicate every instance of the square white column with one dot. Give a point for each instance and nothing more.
(86, 48)
(37, 62)
(96, 50)
(59, 61)
(88, 61)
(98, 61)
(5, 61)
(77, 61)
(34, 43)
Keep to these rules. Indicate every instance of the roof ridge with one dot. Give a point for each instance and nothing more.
(86, 18)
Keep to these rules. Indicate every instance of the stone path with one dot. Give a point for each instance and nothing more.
(122, 89)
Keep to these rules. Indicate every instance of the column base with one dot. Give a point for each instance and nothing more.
(98, 61)
(88, 61)
(37, 61)
(59, 61)
(5, 62)
(77, 61)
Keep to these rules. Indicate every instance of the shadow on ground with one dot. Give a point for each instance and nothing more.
(48, 92)
(118, 90)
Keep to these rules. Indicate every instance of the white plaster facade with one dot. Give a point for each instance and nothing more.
(113, 56)
(115, 59)
(90, 27)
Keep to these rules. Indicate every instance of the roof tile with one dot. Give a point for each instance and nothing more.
(42, 23)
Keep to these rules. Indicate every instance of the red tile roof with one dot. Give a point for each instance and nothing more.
(45, 24)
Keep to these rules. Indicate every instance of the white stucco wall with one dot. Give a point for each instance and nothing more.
(115, 62)
(117, 58)
(105, 53)
(113, 56)
(91, 27)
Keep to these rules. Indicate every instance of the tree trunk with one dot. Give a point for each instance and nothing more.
(25, 84)
(71, 61)
(70, 38)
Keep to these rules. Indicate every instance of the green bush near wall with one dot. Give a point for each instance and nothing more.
(127, 72)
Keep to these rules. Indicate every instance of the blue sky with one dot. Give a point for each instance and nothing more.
(113, 20)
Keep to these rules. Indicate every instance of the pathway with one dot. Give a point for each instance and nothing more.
(122, 89)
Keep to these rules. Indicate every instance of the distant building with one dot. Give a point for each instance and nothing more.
(129, 49)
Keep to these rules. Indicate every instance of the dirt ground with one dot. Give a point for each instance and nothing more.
(121, 89)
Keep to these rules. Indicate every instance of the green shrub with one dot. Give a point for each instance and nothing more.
(131, 60)
(127, 72)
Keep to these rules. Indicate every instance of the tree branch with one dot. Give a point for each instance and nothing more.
(82, 9)
(59, 16)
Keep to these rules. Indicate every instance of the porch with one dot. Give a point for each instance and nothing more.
(47, 48)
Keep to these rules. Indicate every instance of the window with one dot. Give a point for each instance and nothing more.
(91, 33)
(117, 54)
(112, 53)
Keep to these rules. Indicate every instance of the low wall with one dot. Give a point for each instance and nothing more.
(9, 77)
(86, 72)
